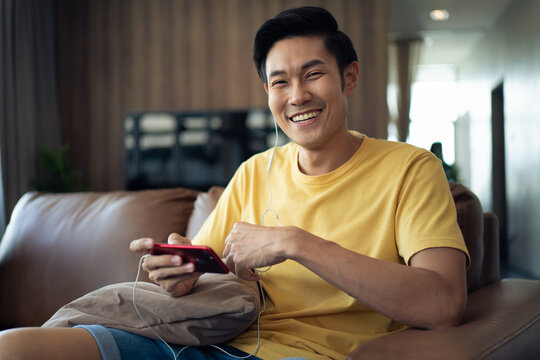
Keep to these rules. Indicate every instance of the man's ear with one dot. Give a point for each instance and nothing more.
(266, 88)
(350, 76)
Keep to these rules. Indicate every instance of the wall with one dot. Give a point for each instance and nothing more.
(126, 55)
(509, 54)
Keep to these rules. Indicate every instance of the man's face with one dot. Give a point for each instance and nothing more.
(305, 92)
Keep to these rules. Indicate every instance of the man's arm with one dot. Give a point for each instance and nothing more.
(430, 293)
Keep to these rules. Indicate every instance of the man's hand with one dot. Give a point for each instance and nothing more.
(251, 246)
(167, 271)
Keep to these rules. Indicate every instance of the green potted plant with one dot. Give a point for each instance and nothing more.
(58, 176)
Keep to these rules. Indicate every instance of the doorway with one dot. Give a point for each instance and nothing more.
(498, 177)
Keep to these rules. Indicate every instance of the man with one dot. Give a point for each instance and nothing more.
(365, 239)
(355, 211)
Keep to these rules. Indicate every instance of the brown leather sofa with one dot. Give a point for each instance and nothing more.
(58, 247)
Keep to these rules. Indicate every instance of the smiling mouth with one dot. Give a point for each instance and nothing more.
(305, 116)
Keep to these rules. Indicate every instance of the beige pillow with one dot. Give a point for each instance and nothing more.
(219, 308)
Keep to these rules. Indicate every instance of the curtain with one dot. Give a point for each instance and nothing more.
(2, 215)
(408, 56)
(29, 118)
(120, 56)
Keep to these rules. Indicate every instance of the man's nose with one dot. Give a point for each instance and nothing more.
(299, 94)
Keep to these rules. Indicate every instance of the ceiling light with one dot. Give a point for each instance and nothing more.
(439, 15)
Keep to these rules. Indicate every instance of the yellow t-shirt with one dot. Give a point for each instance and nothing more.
(388, 201)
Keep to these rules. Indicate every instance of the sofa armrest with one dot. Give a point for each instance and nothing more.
(502, 321)
(491, 265)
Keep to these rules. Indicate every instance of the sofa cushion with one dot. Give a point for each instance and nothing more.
(205, 203)
(219, 308)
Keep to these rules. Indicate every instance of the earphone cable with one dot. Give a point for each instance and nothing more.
(267, 210)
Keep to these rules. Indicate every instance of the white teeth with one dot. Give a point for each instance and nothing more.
(305, 116)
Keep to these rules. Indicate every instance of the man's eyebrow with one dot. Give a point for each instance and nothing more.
(307, 65)
(312, 63)
(276, 73)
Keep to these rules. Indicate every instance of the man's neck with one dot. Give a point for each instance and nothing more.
(321, 161)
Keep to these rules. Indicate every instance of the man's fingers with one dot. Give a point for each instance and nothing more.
(157, 261)
(230, 264)
(244, 226)
(227, 248)
(175, 238)
(249, 275)
(163, 273)
(143, 244)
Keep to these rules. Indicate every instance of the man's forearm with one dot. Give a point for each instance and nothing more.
(416, 296)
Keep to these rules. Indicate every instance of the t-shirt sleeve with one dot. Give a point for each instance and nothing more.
(227, 212)
(426, 213)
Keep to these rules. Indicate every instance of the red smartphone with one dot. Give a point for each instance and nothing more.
(204, 258)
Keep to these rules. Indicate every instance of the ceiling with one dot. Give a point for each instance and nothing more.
(450, 41)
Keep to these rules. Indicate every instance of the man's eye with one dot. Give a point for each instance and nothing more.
(278, 82)
(314, 75)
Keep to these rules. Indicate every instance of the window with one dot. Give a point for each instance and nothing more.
(434, 109)
(2, 214)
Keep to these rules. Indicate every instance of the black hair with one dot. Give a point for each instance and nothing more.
(302, 21)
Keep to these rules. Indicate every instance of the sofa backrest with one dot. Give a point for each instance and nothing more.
(57, 247)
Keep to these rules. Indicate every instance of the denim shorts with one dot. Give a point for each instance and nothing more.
(117, 344)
